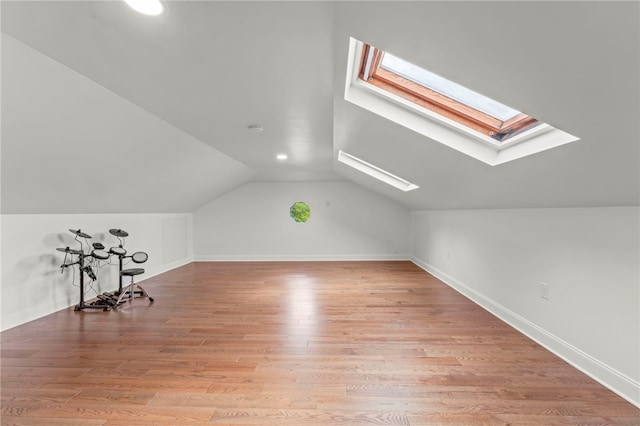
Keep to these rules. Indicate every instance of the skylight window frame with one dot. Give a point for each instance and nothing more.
(372, 72)
(441, 129)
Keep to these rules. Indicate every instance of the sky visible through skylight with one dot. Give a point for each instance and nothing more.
(448, 88)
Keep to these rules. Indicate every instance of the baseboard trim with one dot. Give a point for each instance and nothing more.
(166, 268)
(609, 377)
(34, 314)
(301, 258)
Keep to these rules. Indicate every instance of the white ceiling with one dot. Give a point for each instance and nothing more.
(198, 75)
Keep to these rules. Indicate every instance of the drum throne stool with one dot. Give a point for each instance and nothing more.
(133, 290)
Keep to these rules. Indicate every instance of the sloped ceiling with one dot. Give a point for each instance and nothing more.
(120, 104)
(70, 146)
(574, 65)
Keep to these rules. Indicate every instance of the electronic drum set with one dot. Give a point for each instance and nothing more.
(88, 260)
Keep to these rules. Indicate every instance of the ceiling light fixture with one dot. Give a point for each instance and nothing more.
(375, 172)
(255, 128)
(148, 7)
(282, 157)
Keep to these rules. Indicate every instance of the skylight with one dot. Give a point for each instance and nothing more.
(447, 88)
(443, 110)
(428, 90)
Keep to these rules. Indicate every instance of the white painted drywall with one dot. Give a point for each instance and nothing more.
(72, 146)
(589, 257)
(32, 283)
(347, 222)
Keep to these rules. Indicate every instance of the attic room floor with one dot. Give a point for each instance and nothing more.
(301, 343)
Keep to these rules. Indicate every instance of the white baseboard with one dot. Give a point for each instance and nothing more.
(300, 258)
(166, 268)
(30, 313)
(27, 314)
(617, 382)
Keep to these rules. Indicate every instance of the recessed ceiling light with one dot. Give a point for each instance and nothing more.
(282, 157)
(148, 7)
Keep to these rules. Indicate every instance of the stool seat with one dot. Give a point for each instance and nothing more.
(133, 290)
(131, 272)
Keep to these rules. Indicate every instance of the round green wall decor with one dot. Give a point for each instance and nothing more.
(300, 211)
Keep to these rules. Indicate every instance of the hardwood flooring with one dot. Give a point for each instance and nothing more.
(300, 343)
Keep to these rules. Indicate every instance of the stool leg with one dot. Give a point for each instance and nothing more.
(128, 288)
(143, 293)
(131, 290)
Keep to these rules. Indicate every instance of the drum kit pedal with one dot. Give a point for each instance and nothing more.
(85, 262)
(108, 299)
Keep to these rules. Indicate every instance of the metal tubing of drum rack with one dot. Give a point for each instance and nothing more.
(81, 255)
(119, 233)
(82, 305)
(120, 257)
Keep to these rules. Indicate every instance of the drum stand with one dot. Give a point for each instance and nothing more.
(106, 301)
(82, 268)
(121, 253)
(99, 304)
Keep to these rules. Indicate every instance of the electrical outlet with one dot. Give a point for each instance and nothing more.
(544, 291)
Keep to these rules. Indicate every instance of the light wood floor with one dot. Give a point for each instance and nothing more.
(326, 343)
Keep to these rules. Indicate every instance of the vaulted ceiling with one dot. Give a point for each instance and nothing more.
(107, 110)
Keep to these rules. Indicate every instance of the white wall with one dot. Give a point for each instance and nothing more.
(347, 222)
(32, 283)
(589, 257)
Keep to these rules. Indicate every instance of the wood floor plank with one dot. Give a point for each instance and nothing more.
(104, 411)
(293, 343)
(49, 421)
(296, 417)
